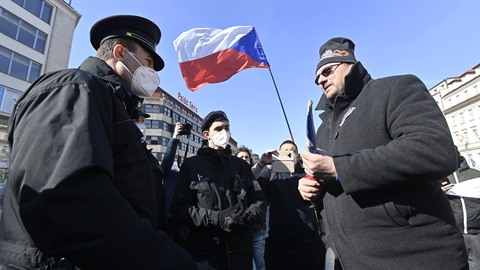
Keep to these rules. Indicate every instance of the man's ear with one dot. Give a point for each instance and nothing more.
(118, 52)
(205, 134)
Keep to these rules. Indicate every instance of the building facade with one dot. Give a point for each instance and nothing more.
(165, 111)
(35, 38)
(459, 100)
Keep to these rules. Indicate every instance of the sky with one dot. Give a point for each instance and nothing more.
(432, 39)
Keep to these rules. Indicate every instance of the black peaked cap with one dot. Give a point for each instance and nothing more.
(142, 30)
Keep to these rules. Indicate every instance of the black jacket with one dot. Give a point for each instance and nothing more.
(293, 225)
(390, 145)
(206, 186)
(81, 185)
(466, 209)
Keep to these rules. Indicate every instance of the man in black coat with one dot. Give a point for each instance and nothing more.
(216, 200)
(293, 241)
(382, 148)
(81, 190)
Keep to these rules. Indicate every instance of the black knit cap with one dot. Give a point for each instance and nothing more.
(142, 30)
(337, 49)
(214, 116)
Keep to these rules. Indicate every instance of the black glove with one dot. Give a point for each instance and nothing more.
(251, 218)
(230, 217)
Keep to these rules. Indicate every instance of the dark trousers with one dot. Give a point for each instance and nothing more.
(312, 258)
(472, 242)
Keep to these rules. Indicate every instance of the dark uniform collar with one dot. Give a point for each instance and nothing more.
(100, 69)
(216, 155)
(354, 83)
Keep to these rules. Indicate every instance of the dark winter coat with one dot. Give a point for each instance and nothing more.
(81, 185)
(206, 186)
(293, 225)
(391, 145)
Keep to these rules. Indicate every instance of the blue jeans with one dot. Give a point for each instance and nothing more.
(259, 249)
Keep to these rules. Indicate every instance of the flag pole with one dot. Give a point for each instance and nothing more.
(281, 104)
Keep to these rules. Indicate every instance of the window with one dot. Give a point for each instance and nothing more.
(19, 66)
(175, 116)
(167, 111)
(154, 124)
(475, 135)
(151, 108)
(471, 117)
(462, 118)
(8, 23)
(454, 121)
(163, 141)
(153, 140)
(166, 126)
(39, 8)
(8, 97)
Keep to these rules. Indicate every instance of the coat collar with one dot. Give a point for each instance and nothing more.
(100, 69)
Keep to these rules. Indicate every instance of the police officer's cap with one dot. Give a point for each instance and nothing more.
(142, 30)
(214, 116)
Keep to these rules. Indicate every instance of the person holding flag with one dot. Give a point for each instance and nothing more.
(294, 240)
(381, 149)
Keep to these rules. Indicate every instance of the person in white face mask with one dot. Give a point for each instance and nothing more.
(83, 191)
(216, 200)
(145, 79)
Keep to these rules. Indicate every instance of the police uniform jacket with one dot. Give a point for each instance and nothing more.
(390, 145)
(206, 183)
(81, 185)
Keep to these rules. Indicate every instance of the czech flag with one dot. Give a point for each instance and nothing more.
(208, 55)
(310, 130)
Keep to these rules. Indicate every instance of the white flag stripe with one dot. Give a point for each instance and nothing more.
(200, 42)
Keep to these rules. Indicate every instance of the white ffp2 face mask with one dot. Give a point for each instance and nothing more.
(144, 80)
(221, 138)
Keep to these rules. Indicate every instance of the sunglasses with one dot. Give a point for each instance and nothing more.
(327, 72)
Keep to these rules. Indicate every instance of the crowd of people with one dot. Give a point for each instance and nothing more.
(85, 192)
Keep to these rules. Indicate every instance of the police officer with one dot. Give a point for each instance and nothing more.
(216, 200)
(81, 190)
